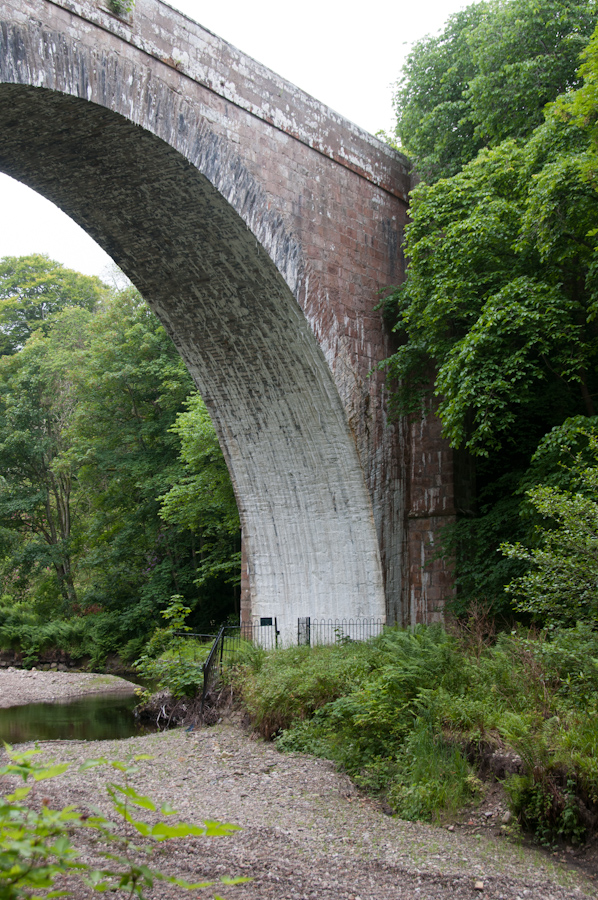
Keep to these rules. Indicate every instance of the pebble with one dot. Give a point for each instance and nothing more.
(302, 833)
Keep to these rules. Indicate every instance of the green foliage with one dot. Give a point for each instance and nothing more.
(109, 504)
(431, 776)
(505, 514)
(544, 809)
(37, 404)
(171, 662)
(527, 53)
(36, 845)
(561, 584)
(499, 298)
(487, 77)
(133, 387)
(175, 671)
(121, 7)
(497, 319)
(367, 719)
(34, 288)
(403, 713)
(178, 669)
(176, 613)
(585, 101)
(290, 685)
(202, 500)
(433, 118)
(473, 542)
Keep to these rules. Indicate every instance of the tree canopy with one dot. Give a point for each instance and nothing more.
(498, 317)
(110, 501)
(501, 294)
(488, 77)
(33, 288)
(37, 403)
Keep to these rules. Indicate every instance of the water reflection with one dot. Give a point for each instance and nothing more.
(96, 717)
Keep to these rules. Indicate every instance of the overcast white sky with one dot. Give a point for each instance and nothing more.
(347, 56)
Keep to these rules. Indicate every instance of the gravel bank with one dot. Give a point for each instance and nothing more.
(19, 686)
(306, 832)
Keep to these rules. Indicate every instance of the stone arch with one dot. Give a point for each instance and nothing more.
(136, 165)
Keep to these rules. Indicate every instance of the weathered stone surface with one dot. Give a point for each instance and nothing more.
(260, 226)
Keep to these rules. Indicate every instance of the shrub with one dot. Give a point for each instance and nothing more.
(560, 586)
(403, 714)
(289, 685)
(178, 669)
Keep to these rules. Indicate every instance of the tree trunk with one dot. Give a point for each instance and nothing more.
(65, 580)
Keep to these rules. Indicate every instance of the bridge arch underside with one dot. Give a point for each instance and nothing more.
(308, 527)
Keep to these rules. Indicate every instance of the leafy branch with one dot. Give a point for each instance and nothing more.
(36, 846)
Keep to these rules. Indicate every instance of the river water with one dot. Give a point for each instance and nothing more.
(95, 717)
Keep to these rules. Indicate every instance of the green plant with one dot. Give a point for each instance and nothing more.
(546, 807)
(176, 613)
(560, 586)
(411, 713)
(178, 669)
(36, 846)
(121, 7)
(432, 776)
(286, 686)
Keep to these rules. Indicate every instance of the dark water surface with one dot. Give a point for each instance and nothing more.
(96, 717)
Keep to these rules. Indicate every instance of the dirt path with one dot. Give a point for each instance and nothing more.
(306, 832)
(20, 686)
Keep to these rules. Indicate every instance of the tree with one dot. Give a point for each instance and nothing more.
(32, 289)
(561, 584)
(487, 77)
(131, 384)
(434, 125)
(501, 296)
(37, 404)
(498, 316)
(202, 500)
(585, 101)
(89, 447)
(134, 443)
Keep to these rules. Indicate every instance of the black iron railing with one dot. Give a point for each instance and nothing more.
(212, 668)
(333, 631)
(264, 632)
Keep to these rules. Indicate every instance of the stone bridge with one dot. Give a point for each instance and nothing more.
(260, 226)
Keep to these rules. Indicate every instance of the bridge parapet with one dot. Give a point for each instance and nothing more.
(170, 37)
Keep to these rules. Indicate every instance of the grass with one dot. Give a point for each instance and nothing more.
(411, 714)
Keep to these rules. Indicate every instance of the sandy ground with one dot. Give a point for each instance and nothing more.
(19, 686)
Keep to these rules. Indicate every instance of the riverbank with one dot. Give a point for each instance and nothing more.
(20, 686)
(306, 831)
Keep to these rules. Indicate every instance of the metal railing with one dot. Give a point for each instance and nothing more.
(264, 633)
(315, 632)
(195, 645)
(212, 667)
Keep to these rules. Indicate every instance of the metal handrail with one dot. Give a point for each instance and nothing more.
(208, 667)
